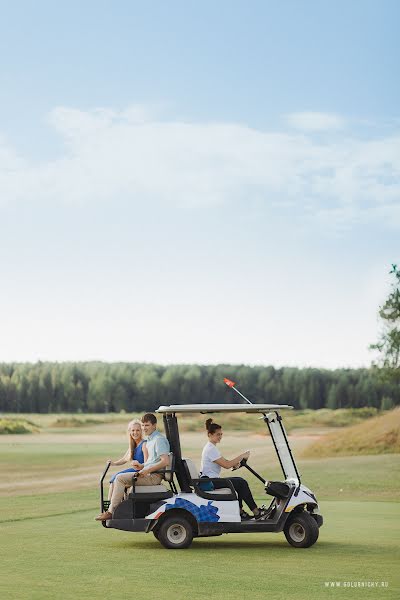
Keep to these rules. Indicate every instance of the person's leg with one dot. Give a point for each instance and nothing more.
(243, 490)
(150, 479)
(122, 481)
(244, 494)
(110, 491)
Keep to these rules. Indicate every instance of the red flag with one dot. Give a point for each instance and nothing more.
(229, 382)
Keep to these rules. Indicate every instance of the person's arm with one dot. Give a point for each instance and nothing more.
(145, 452)
(120, 461)
(228, 464)
(161, 464)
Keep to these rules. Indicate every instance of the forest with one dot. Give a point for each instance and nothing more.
(89, 387)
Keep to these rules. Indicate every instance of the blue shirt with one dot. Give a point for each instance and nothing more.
(157, 444)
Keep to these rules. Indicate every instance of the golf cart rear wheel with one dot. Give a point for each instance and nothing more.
(175, 533)
(301, 530)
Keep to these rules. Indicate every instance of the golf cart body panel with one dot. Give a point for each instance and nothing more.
(202, 510)
(137, 525)
(188, 510)
(302, 496)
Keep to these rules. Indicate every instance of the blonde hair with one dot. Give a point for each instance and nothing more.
(132, 442)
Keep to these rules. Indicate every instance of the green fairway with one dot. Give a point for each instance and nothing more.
(52, 548)
(72, 556)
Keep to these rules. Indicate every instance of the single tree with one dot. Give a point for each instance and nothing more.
(389, 341)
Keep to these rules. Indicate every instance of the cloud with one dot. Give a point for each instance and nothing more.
(9, 160)
(315, 121)
(134, 156)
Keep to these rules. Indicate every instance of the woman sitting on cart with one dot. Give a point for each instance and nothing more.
(136, 453)
(211, 463)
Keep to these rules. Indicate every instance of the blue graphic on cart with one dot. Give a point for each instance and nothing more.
(201, 513)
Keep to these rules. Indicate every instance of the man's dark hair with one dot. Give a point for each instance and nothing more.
(149, 418)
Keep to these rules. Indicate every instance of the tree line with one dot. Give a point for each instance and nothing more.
(46, 387)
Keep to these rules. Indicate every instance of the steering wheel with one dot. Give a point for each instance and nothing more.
(242, 463)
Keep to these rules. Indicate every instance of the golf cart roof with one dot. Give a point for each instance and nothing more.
(221, 408)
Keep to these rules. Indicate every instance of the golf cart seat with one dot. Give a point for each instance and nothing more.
(149, 489)
(160, 492)
(221, 490)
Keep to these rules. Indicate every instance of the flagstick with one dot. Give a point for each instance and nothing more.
(231, 384)
(240, 393)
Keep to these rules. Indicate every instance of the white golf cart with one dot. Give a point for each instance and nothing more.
(185, 510)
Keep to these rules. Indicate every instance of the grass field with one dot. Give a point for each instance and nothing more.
(378, 435)
(52, 548)
(294, 419)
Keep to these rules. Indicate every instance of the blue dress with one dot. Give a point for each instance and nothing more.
(137, 455)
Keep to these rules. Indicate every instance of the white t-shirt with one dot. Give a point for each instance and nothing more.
(209, 455)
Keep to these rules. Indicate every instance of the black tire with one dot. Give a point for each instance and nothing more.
(175, 533)
(155, 533)
(301, 530)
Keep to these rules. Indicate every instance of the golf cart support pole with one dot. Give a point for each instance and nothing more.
(101, 484)
(279, 419)
(102, 491)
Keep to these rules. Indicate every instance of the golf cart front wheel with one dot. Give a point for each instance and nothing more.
(175, 533)
(301, 530)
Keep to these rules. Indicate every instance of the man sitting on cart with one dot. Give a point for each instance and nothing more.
(158, 449)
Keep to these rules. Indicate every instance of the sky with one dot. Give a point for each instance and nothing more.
(197, 182)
